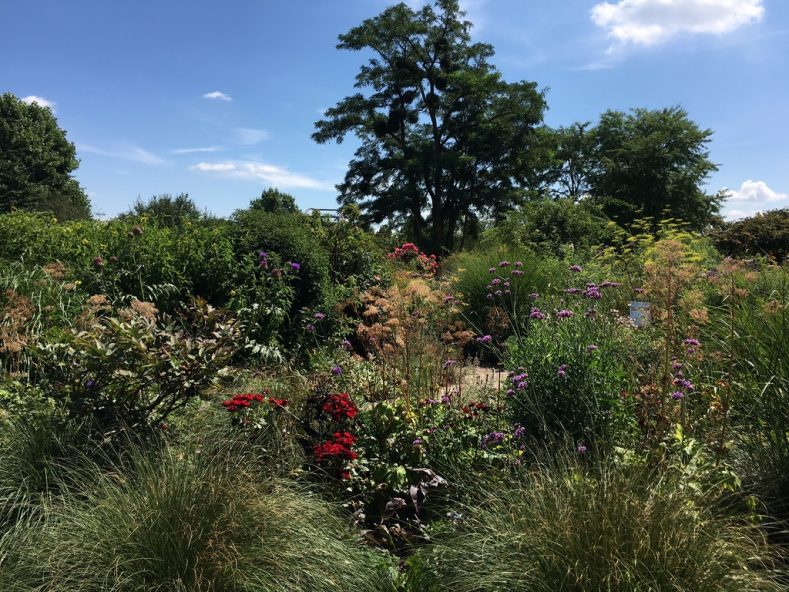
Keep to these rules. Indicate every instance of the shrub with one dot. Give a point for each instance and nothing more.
(766, 233)
(568, 525)
(293, 240)
(551, 226)
(132, 372)
(182, 520)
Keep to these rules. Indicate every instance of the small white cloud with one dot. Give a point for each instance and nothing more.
(260, 171)
(755, 191)
(219, 96)
(248, 136)
(196, 150)
(40, 101)
(648, 22)
(124, 152)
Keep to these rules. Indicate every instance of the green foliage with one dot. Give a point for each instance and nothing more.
(132, 372)
(652, 163)
(36, 162)
(572, 387)
(470, 277)
(766, 233)
(274, 201)
(292, 238)
(552, 226)
(440, 130)
(569, 525)
(184, 521)
(165, 210)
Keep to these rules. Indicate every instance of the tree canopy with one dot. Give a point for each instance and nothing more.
(274, 201)
(444, 139)
(166, 210)
(36, 162)
(651, 163)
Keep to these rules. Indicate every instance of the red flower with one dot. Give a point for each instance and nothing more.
(340, 406)
(278, 402)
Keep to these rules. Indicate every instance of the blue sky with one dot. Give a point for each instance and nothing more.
(219, 99)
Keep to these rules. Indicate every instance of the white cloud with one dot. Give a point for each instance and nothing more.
(248, 136)
(41, 101)
(260, 171)
(195, 150)
(648, 22)
(124, 152)
(732, 215)
(756, 192)
(216, 95)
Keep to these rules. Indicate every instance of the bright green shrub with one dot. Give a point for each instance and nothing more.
(292, 239)
(551, 226)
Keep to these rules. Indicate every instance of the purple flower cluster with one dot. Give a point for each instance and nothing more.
(537, 314)
(485, 339)
(592, 291)
(591, 347)
(263, 260)
(562, 371)
(576, 268)
(493, 438)
(564, 314)
(518, 382)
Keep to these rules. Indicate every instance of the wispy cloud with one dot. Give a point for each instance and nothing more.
(248, 136)
(261, 171)
(218, 96)
(649, 22)
(197, 150)
(124, 152)
(41, 101)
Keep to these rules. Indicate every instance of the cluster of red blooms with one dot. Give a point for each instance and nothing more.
(338, 447)
(473, 409)
(340, 406)
(409, 252)
(247, 400)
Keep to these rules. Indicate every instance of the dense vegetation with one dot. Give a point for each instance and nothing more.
(584, 385)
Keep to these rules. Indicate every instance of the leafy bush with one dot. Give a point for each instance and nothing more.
(567, 525)
(182, 520)
(291, 237)
(766, 233)
(551, 226)
(132, 372)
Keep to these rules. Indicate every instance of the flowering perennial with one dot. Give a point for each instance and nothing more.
(340, 407)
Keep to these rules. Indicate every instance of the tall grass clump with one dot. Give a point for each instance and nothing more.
(470, 276)
(567, 526)
(180, 520)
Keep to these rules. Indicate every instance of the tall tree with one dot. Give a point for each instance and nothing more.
(444, 140)
(275, 201)
(36, 162)
(652, 164)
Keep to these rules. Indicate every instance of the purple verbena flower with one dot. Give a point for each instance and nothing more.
(310, 327)
(581, 449)
(564, 314)
(485, 339)
(534, 296)
(576, 268)
(518, 264)
(677, 395)
(591, 347)
(493, 438)
(504, 263)
(319, 316)
(295, 266)
(536, 313)
(519, 431)
(336, 370)
(693, 342)
(562, 371)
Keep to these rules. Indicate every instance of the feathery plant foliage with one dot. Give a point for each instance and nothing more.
(573, 525)
(185, 521)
